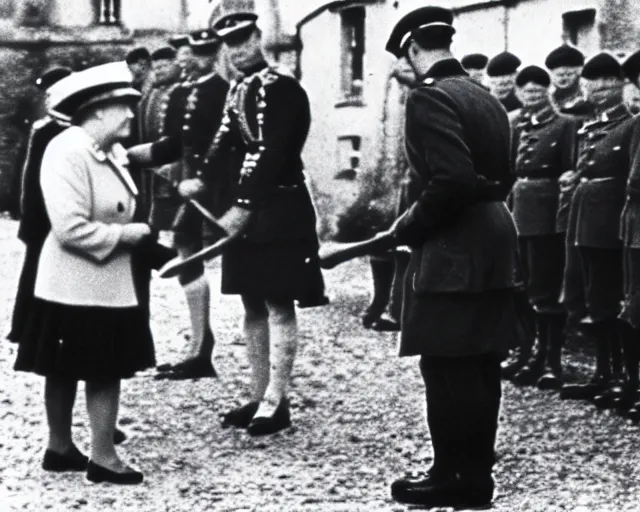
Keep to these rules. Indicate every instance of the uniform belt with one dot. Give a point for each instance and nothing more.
(537, 179)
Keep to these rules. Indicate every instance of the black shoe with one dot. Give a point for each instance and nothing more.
(57, 462)
(626, 401)
(409, 483)
(550, 380)
(119, 436)
(583, 391)
(608, 398)
(528, 375)
(240, 417)
(385, 324)
(99, 474)
(191, 369)
(280, 420)
(453, 493)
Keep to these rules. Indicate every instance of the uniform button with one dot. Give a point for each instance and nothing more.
(196, 155)
(186, 128)
(198, 173)
(583, 180)
(592, 147)
(206, 160)
(591, 162)
(527, 161)
(187, 116)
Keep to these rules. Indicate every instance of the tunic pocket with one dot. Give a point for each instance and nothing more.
(442, 272)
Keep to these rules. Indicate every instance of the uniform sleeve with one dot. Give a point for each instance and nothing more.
(285, 115)
(434, 129)
(569, 146)
(66, 188)
(166, 150)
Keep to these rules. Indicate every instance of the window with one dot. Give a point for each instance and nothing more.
(108, 12)
(352, 48)
(348, 157)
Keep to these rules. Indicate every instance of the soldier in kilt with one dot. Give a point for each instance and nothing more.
(193, 115)
(604, 159)
(274, 264)
(544, 150)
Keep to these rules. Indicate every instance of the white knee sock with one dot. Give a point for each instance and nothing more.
(198, 300)
(256, 331)
(283, 348)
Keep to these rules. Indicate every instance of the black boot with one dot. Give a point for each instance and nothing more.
(615, 388)
(602, 376)
(630, 341)
(382, 270)
(552, 375)
(532, 371)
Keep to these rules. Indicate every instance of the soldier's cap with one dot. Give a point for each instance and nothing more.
(474, 61)
(164, 53)
(505, 63)
(51, 76)
(236, 26)
(138, 53)
(533, 74)
(178, 41)
(204, 41)
(106, 83)
(631, 67)
(564, 55)
(602, 65)
(430, 22)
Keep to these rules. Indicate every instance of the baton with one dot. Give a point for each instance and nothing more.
(334, 255)
(177, 265)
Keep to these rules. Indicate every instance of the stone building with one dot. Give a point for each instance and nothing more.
(35, 34)
(355, 149)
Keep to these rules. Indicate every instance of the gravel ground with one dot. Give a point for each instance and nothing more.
(358, 424)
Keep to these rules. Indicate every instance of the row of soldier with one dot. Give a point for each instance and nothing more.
(576, 163)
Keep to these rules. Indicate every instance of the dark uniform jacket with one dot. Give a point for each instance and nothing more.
(544, 148)
(193, 117)
(267, 177)
(604, 159)
(464, 244)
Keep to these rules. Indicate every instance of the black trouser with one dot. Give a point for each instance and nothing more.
(543, 260)
(463, 402)
(602, 277)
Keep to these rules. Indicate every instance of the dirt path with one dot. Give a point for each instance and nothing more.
(358, 424)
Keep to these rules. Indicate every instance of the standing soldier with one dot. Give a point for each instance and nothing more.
(627, 403)
(565, 65)
(458, 312)
(184, 57)
(502, 70)
(545, 149)
(601, 174)
(631, 68)
(475, 64)
(275, 263)
(200, 114)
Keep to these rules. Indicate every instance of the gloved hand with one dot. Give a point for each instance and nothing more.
(190, 188)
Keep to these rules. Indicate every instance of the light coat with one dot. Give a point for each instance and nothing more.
(83, 262)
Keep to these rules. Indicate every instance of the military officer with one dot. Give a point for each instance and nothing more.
(139, 62)
(545, 149)
(275, 263)
(184, 56)
(458, 311)
(603, 163)
(475, 64)
(201, 114)
(153, 107)
(565, 65)
(502, 70)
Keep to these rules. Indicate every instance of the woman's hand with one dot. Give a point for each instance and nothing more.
(190, 188)
(135, 233)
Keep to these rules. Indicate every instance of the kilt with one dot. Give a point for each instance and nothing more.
(24, 295)
(85, 343)
(282, 270)
(543, 261)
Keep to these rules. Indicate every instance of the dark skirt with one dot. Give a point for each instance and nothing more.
(283, 270)
(24, 294)
(85, 343)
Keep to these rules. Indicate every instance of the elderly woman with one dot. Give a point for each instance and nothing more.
(86, 322)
